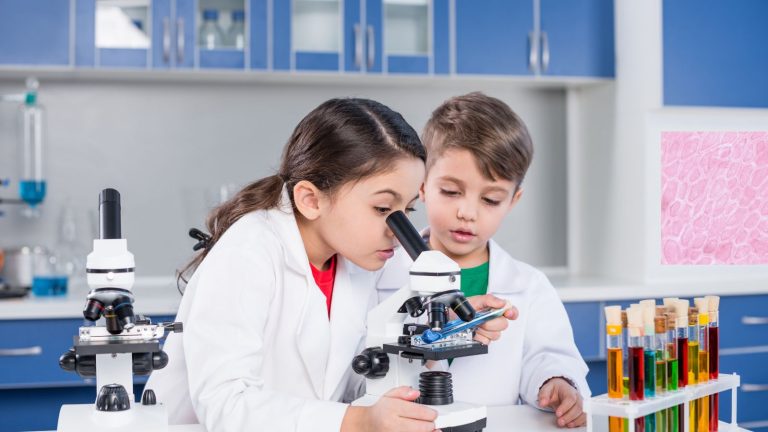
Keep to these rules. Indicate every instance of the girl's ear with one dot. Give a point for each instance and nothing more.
(421, 191)
(307, 198)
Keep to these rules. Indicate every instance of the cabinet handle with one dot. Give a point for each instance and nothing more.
(544, 52)
(180, 40)
(750, 388)
(371, 47)
(752, 320)
(533, 52)
(166, 40)
(16, 352)
(358, 47)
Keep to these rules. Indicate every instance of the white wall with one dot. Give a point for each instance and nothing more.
(164, 145)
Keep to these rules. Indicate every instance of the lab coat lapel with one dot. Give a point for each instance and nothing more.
(312, 332)
(348, 311)
(503, 272)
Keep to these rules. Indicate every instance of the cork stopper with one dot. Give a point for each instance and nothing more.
(701, 304)
(661, 310)
(635, 318)
(613, 315)
(660, 324)
(624, 319)
(671, 320)
(713, 303)
(693, 316)
(681, 313)
(669, 302)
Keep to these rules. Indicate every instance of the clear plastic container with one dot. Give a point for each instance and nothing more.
(236, 33)
(48, 278)
(211, 36)
(32, 184)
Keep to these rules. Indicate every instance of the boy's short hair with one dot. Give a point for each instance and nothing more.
(487, 128)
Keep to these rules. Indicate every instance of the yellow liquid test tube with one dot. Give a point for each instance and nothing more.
(615, 362)
(702, 405)
(693, 365)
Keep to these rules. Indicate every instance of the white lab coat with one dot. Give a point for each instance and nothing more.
(258, 351)
(537, 346)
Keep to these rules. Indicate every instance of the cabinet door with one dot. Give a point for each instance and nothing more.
(318, 35)
(222, 33)
(577, 38)
(34, 32)
(162, 34)
(715, 53)
(258, 34)
(399, 37)
(492, 36)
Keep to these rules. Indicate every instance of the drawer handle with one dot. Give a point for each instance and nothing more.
(751, 388)
(15, 352)
(752, 320)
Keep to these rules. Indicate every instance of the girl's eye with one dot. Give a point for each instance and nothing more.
(382, 210)
(449, 192)
(409, 210)
(491, 202)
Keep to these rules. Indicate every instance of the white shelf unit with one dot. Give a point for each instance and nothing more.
(602, 406)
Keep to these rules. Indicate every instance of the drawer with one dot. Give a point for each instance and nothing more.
(30, 351)
(753, 394)
(587, 330)
(743, 321)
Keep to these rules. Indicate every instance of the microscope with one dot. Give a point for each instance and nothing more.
(398, 351)
(124, 346)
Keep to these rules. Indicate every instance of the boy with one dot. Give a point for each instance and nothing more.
(478, 151)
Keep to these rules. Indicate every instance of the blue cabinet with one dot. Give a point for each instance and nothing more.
(587, 322)
(715, 53)
(35, 32)
(577, 38)
(552, 37)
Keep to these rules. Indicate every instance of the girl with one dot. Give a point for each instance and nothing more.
(276, 307)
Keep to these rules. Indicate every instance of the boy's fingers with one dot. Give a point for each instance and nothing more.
(571, 415)
(565, 406)
(490, 335)
(495, 325)
(547, 395)
(512, 313)
(580, 421)
(416, 426)
(487, 301)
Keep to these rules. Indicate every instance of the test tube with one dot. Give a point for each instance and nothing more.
(672, 369)
(649, 346)
(693, 363)
(614, 344)
(681, 339)
(636, 360)
(660, 327)
(713, 303)
(702, 404)
(625, 362)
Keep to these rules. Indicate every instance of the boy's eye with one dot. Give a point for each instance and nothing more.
(449, 192)
(491, 202)
(382, 210)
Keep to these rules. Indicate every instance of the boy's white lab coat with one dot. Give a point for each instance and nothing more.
(537, 346)
(258, 351)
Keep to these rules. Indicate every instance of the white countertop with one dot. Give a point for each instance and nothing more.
(153, 297)
(159, 296)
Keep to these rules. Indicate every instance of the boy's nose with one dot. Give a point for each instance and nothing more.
(467, 212)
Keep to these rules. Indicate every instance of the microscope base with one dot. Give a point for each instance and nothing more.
(456, 417)
(84, 417)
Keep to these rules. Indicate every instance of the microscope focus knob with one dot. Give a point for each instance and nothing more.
(113, 397)
(371, 363)
(148, 398)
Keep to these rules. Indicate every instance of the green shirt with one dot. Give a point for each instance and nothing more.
(474, 280)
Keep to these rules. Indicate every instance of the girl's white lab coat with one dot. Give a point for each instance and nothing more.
(258, 351)
(537, 346)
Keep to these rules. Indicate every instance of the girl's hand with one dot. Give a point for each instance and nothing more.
(491, 330)
(565, 400)
(394, 412)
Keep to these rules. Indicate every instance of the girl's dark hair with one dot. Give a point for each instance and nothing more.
(340, 141)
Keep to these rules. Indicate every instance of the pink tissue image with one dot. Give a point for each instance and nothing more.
(714, 197)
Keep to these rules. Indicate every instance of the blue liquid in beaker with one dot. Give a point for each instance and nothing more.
(49, 285)
(32, 192)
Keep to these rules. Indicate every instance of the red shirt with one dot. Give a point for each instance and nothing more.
(324, 279)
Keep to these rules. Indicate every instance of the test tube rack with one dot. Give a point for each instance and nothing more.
(602, 406)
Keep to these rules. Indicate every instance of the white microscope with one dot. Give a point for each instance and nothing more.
(127, 345)
(397, 351)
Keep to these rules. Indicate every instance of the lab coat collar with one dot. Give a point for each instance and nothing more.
(503, 270)
(321, 345)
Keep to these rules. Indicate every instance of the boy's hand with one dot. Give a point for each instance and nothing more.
(491, 330)
(565, 400)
